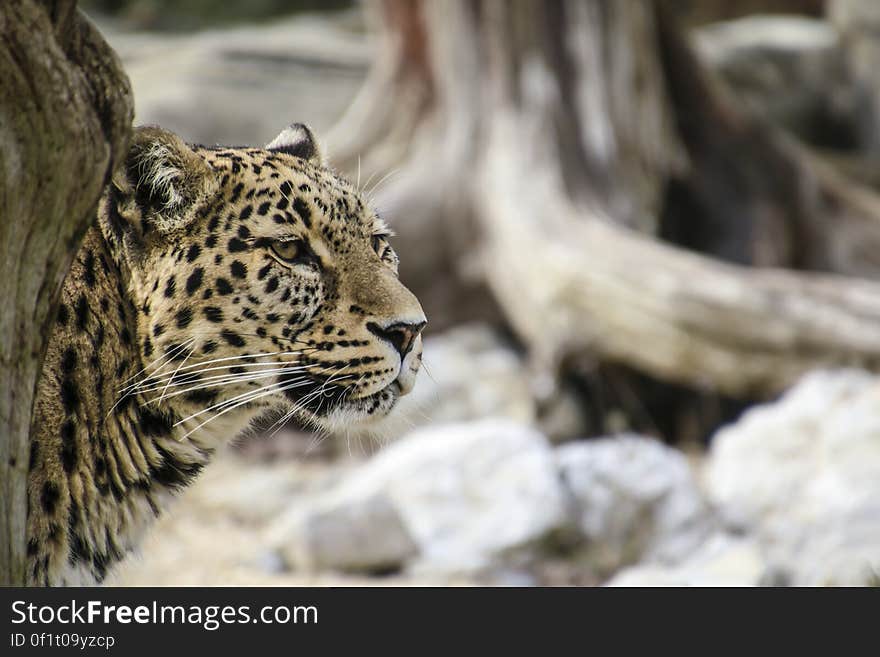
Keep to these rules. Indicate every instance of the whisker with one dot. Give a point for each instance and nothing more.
(244, 394)
(248, 400)
(218, 382)
(169, 355)
(171, 378)
(225, 402)
(187, 377)
(375, 187)
(155, 377)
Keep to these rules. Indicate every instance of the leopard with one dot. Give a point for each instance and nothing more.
(217, 284)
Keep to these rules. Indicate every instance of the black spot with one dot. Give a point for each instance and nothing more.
(79, 551)
(99, 566)
(209, 347)
(184, 317)
(125, 335)
(82, 312)
(213, 314)
(238, 369)
(236, 191)
(34, 455)
(285, 188)
(49, 497)
(261, 331)
(279, 219)
(158, 329)
(176, 352)
(202, 397)
(286, 295)
(232, 338)
(264, 208)
(238, 269)
(214, 223)
(121, 369)
(264, 271)
(173, 472)
(170, 286)
(63, 314)
(245, 215)
(154, 423)
(282, 204)
(194, 282)
(302, 209)
(69, 395)
(68, 360)
(235, 245)
(328, 329)
(89, 269)
(272, 285)
(223, 286)
(69, 453)
(193, 252)
(272, 317)
(211, 241)
(148, 347)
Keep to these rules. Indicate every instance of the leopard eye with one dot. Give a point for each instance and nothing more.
(293, 252)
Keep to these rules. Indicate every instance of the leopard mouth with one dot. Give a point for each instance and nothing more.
(323, 399)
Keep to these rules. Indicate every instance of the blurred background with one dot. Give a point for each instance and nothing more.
(645, 233)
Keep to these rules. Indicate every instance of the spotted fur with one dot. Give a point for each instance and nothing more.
(218, 283)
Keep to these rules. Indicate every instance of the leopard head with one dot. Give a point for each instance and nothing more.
(262, 279)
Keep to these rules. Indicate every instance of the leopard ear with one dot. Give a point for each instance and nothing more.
(163, 182)
(298, 140)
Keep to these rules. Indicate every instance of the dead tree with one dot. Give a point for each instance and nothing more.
(537, 144)
(65, 118)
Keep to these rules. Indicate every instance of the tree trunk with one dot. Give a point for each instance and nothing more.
(65, 119)
(541, 166)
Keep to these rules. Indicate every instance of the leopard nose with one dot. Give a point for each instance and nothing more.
(400, 335)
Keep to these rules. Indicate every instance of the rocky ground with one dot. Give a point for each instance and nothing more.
(478, 487)
(789, 494)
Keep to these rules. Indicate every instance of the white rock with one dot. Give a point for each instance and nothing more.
(341, 533)
(468, 493)
(721, 561)
(635, 499)
(803, 474)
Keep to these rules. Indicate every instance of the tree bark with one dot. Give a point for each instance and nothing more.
(65, 117)
(541, 168)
